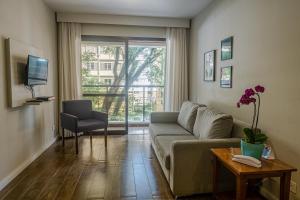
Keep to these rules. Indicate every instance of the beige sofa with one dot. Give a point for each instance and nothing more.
(182, 143)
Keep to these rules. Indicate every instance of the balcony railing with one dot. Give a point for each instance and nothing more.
(142, 100)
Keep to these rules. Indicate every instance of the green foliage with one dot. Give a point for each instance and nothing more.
(156, 71)
(260, 137)
(88, 56)
(254, 137)
(86, 79)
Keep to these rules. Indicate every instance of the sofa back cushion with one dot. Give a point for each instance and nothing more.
(211, 124)
(187, 115)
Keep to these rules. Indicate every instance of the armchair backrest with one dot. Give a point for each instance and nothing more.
(79, 108)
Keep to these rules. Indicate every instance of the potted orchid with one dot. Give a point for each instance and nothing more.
(253, 144)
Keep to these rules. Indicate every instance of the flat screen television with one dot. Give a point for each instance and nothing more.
(36, 71)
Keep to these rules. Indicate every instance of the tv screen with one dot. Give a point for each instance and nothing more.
(37, 71)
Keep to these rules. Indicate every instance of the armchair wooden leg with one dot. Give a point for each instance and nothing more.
(63, 137)
(91, 142)
(105, 132)
(76, 142)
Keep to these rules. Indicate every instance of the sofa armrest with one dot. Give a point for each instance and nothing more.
(164, 117)
(191, 166)
(69, 122)
(100, 116)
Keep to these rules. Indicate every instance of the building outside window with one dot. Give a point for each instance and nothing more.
(106, 66)
(107, 81)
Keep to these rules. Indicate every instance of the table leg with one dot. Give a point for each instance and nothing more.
(241, 187)
(63, 137)
(105, 132)
(76, 142)
(91, 140)
(285, 180)
(216, 169)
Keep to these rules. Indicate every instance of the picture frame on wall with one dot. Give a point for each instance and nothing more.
(209, 65)
(226, 77)
(227, 48)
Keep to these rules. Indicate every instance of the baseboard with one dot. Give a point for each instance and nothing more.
(270, 196)
(267, 194)
(5, 181)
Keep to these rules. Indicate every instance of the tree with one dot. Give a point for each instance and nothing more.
(86, 58)
(134, 71)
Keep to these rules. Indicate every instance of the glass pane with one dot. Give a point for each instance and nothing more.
(146, 78)
(154, 101)
(104, 73)
(135, 104)
(114, 106)
(103, 65)
(103, 77)
(146, 64)
(142, 100)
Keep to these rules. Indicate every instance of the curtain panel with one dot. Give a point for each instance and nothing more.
(176, 69)
(69, 45)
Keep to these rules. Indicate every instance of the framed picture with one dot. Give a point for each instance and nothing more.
(227, 48)
(209, 65)
(226, 77)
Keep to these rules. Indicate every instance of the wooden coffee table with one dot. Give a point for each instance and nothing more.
(270, 168)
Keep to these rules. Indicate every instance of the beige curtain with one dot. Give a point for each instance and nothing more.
(176, 69)
(69, 39)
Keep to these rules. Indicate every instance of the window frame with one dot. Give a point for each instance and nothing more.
(126, 40)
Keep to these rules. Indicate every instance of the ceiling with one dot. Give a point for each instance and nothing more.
(154, 8)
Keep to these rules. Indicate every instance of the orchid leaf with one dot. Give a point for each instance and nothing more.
(250, 136)
(260, 138)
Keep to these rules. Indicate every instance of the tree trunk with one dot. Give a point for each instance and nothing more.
(133, 75)
(107, 102)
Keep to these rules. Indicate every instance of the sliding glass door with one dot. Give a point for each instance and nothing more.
(123, 77)
(104, 73)
(146, 79)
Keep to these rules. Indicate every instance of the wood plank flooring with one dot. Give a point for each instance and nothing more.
(127, 169)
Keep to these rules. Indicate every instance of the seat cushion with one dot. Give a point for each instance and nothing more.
(164, 145)
(187, 115)
(156, 129)
(90, 125)
(211, 124)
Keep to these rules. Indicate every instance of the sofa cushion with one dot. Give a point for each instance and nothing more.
(187, 115)
(211, 124)
(157, 129)
(164, 145)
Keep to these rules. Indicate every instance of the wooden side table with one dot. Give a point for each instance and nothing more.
(270, 168)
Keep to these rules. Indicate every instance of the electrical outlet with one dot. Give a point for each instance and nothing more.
(293, 187)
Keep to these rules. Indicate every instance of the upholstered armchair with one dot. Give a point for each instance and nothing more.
(77, 116)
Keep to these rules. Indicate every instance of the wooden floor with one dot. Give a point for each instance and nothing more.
(127, 170)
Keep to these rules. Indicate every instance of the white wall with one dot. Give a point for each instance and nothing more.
(26, 132)
(267, 52)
